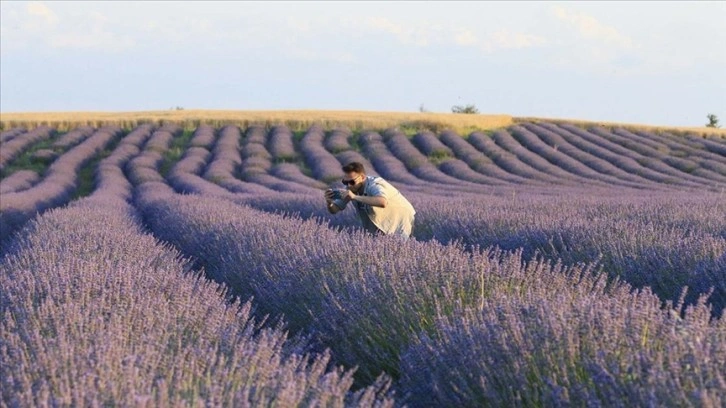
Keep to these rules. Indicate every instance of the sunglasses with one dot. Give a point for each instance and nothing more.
(350, 182)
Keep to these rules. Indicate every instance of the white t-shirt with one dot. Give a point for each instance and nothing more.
(396, 218)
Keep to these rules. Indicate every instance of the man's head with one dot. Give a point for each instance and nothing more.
(355, 176)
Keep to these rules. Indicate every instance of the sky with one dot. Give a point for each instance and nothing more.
(659, 63)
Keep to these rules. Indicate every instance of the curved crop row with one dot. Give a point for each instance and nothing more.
(118, 319)
(672, 156)
(226, 161)
(477, 161)
(110, 177)
(557, 150)
(19, 181)
(710, 144)
(508, 160)
(9, 134)
(351, 306)
(280, 143)
(648, 157)
(18, 144)
(430, 145)
(324, 165)
(57, 187)
(257, 160)
(611, 152)
(504, 139)
(684, 157)
(73, 137)
(337, 141)
(416, 163)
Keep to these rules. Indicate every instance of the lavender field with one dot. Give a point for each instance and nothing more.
(550, 265)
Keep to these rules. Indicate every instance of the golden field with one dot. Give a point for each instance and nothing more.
(302, 119)
(295, 119)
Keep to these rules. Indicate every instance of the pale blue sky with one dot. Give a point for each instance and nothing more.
(660, 63)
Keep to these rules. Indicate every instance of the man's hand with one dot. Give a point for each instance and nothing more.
(329, 196)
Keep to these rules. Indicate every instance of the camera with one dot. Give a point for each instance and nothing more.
(338, 194)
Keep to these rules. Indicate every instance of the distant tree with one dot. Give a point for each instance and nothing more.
(712, 121)
(470, 108)
(422, 109)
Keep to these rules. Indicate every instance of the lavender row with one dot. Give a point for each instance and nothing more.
(679, 145)
(73, 137)
(204, 136)
(257, 160)
(292, 173)
(20, 143)
(682, 157)
(95, 312)
(589, 346)
(143, 168)
(9, 134)
(280, 143)
(323, 164)
(338, 140)
(568, 158)
(111, 180)
(706, 159)
(662, 240)
(226, 161)
(663, 151)
(308, 279)
(504, 139)
(710, 144)
(430, 145)
(416, 163)
(477, 161)
(58, 186)
(648, 157)
(509, 161)
(353, 306)
(611, 152)
(19, 181)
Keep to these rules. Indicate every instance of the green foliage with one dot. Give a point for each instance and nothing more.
(86, 176)
(27, 161)
(469, 108)
(178, 145)
(712, 121)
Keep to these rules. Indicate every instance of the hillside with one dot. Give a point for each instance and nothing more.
(181, 263)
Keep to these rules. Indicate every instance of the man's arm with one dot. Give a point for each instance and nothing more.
(375, 201)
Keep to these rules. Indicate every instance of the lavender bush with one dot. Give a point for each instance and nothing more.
(13, 147)
(478, 161)
(430, 145)
(635, 151)
(280, 143)
(57, 186)
(116, 318)
(588, 275)
(569, 159)
(323, 164)
(18, 181)
(6, 135)
(509, 161)
(73, 137)
(338, 140)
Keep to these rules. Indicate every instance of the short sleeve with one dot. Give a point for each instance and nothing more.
(377, 189)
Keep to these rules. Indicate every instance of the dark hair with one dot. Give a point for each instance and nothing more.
(354, 167)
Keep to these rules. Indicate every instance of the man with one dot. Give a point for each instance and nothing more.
(381, 207)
